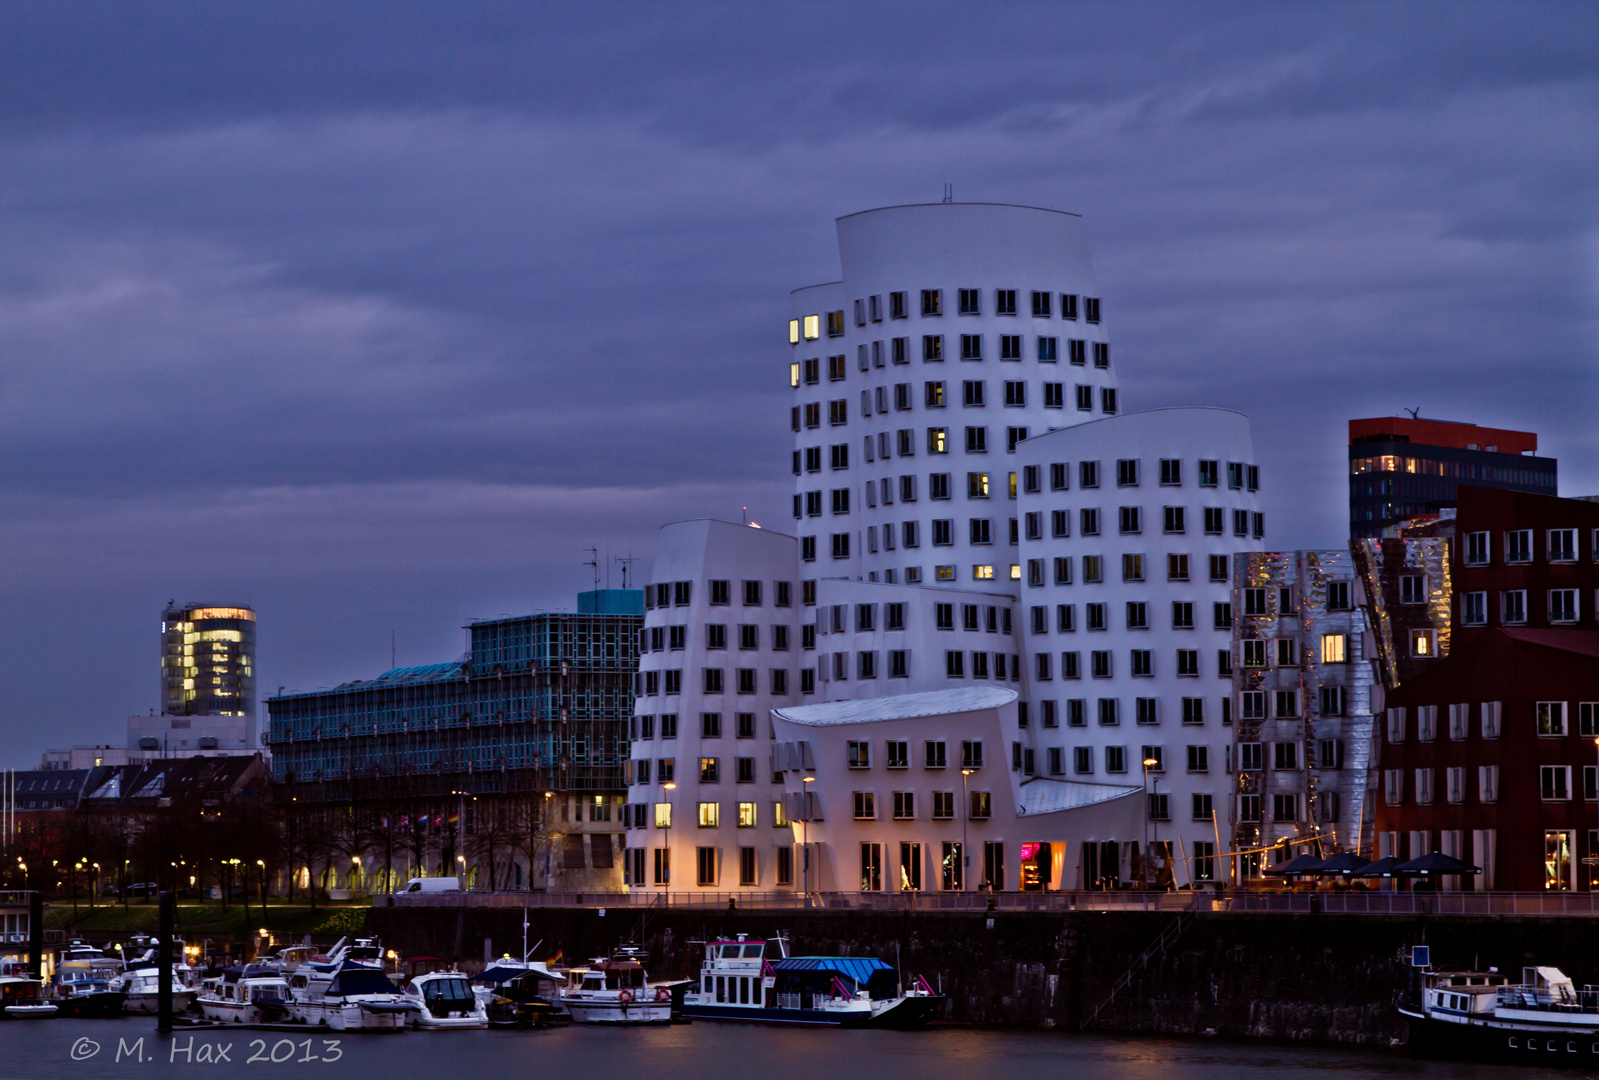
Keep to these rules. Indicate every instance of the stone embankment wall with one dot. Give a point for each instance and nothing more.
(1326, 978)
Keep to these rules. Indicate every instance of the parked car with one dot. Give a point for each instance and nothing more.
(141, 888)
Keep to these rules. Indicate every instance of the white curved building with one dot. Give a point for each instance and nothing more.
(957, 331)
(1129, 526)
(720, 648)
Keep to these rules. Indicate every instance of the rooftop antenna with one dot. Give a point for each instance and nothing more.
(1415, 414)
(949, 192)
(627, 564)
(744, 514)
(594, 561)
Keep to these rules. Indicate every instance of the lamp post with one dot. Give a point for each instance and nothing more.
(966, 814)
(666, 863)
(805, 831)
(1149, 763)
(261, 873)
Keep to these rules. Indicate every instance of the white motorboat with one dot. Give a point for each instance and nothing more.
(21, 998)
(355, 998)
(142, 985)
(615, 991)
(245, 995)
(444, 999)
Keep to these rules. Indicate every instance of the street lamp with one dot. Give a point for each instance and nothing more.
(805, 831)
(1149, 763)
(666, 864)
(966, 813)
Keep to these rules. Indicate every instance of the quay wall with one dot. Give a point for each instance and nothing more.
(1315, 977)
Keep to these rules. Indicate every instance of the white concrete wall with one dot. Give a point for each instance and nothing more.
(698, 552)
(834, 822)
(1187, 436)
(947, 247)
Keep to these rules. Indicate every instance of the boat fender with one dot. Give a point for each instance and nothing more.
(662, 994)
(625, 997)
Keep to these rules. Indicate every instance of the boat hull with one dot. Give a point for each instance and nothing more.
(1554, 1046)
(150, 1003)
(30, 1012)
(350, 1015)
(615, 1012)
(102, 1006)
(907, 1012)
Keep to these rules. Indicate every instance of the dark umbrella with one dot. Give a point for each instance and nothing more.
(1380, 868)
(1299, 864)
(1433, 865)
(1345, 864)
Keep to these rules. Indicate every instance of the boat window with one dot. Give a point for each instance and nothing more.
(730, 952)
(753, 950)
(721, 989)
(707, 989)
(744, 991)
(447, 990)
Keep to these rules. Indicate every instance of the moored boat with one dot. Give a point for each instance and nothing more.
(757, 981)
(83, 989)
(615, 991)
(21, 998)
(1481, 1016)
(443, 1000)
(355, 998)
(142, 986)
(245, 995)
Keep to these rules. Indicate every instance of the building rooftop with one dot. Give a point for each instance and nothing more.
(899, 706)
(1453, 434)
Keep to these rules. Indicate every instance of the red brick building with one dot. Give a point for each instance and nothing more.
(1490, 753)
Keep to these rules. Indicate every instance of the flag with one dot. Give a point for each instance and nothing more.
(556, 959)
(385, 822)
(767, 970)
(455, 817)
(839, 989)
(422, 821)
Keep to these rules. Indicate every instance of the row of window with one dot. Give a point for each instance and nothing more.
(809, 417)
(1286, 653)
(974, 395)
(712, 681)
(675, 638)
(1136, 566)
(680, 593)
(1560, 546)
(1288, 704)
(643, 727)
(1561, 606)
(897, 352)
(707, 868)
(1288, 808)
(1555, 784)
(969, 302)
(1338, 598)
(1396, 721)
(1141, 665)
(1065, 617)
(1108, 712)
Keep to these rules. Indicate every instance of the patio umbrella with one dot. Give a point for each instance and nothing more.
(1380, 868)
(1299, 864)
(1345, 864)
(1434, 865)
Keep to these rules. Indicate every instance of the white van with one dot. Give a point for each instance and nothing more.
(432, 885)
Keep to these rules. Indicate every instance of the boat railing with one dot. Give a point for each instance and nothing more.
(1531, 997)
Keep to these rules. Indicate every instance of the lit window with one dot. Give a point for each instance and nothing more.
(746, 815)
(793, 331)
(710, 815)
(813, 327)
(982, 573)
(1333, 649)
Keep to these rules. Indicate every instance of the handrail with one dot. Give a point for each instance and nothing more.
(1372, 902)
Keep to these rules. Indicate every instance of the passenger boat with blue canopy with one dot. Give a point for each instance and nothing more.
(758, 981)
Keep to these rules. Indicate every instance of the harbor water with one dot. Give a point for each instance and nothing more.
(52, 1049)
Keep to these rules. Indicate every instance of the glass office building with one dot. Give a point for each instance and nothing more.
(208, 660)
(1401, 468)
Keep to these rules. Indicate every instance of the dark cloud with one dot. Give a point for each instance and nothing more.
(375, 316)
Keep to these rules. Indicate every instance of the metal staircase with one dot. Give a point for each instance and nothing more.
(1168, 937)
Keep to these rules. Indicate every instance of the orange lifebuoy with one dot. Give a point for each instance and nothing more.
(662, 994)
(626, 997)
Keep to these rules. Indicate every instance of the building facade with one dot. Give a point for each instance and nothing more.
(506, 765)
(1305, 677)
(956, 332)
(208, 661)
(1402, 467)
(1491, 757)
(1130, 526)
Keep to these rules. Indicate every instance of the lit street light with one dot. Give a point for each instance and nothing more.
(666, 865)
(966, 813)
(1149, 763)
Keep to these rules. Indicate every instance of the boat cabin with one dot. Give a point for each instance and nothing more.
(609, 975)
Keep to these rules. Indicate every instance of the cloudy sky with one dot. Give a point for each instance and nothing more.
(376, 316)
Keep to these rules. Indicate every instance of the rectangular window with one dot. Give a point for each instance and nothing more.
(1010, 346)
(1518, 546)
(1476, 549)
(865, 806)
(1562, 545)
(1554, 782)
(1474, 609)
(932, 348)
(1513, 607)
(1551, 718)
(904, 806)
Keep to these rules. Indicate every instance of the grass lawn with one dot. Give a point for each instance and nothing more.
(198, 919)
